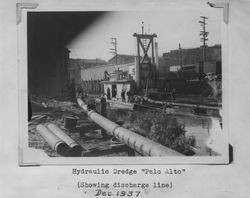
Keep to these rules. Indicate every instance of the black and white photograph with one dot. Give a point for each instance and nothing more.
(126, 83)
(124, 98)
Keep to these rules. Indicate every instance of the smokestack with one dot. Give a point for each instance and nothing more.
(156, 61)
(137, 71)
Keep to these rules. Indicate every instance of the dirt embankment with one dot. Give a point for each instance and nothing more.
(153, 125)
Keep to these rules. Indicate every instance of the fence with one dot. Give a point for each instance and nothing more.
(93, 86)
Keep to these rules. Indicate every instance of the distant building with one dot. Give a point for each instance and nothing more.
(125, 63)
(93, 76)
(191, 62)
(75, 67)
(86, 63)
(98, 72)
(121, 59)
(119, 81)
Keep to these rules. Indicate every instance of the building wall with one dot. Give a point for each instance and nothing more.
(210, 67)
(91, 77)
(48, 72)
(75, 72)
(194, 56)
(162, 68)
(97, 73)
(92, 87)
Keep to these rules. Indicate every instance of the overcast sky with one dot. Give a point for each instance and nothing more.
(172, 26)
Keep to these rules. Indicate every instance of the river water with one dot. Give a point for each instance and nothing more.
(205, 128)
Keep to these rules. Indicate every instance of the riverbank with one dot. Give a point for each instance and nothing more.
(166, 132)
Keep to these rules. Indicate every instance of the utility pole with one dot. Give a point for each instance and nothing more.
(114, 49)
(142, 27)
(180, 58)
(144, 41)
(203, 35)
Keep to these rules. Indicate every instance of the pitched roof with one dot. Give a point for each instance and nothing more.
(86, 63)
(122, 59)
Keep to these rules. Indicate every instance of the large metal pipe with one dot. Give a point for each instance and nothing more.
(54, 141)
(75, 149)
(137, 142)
(184, 105)
(125, 105)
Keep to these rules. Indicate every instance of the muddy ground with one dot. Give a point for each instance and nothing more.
(52, 111)
(152, 125)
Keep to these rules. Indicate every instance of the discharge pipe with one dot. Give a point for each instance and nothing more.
(75, 149)
(183, 104)
(137, 142)
(124, 104)
(54, 141)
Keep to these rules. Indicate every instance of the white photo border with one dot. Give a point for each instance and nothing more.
(32, 157)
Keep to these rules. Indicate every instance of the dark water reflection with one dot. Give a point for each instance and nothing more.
(203, 127)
